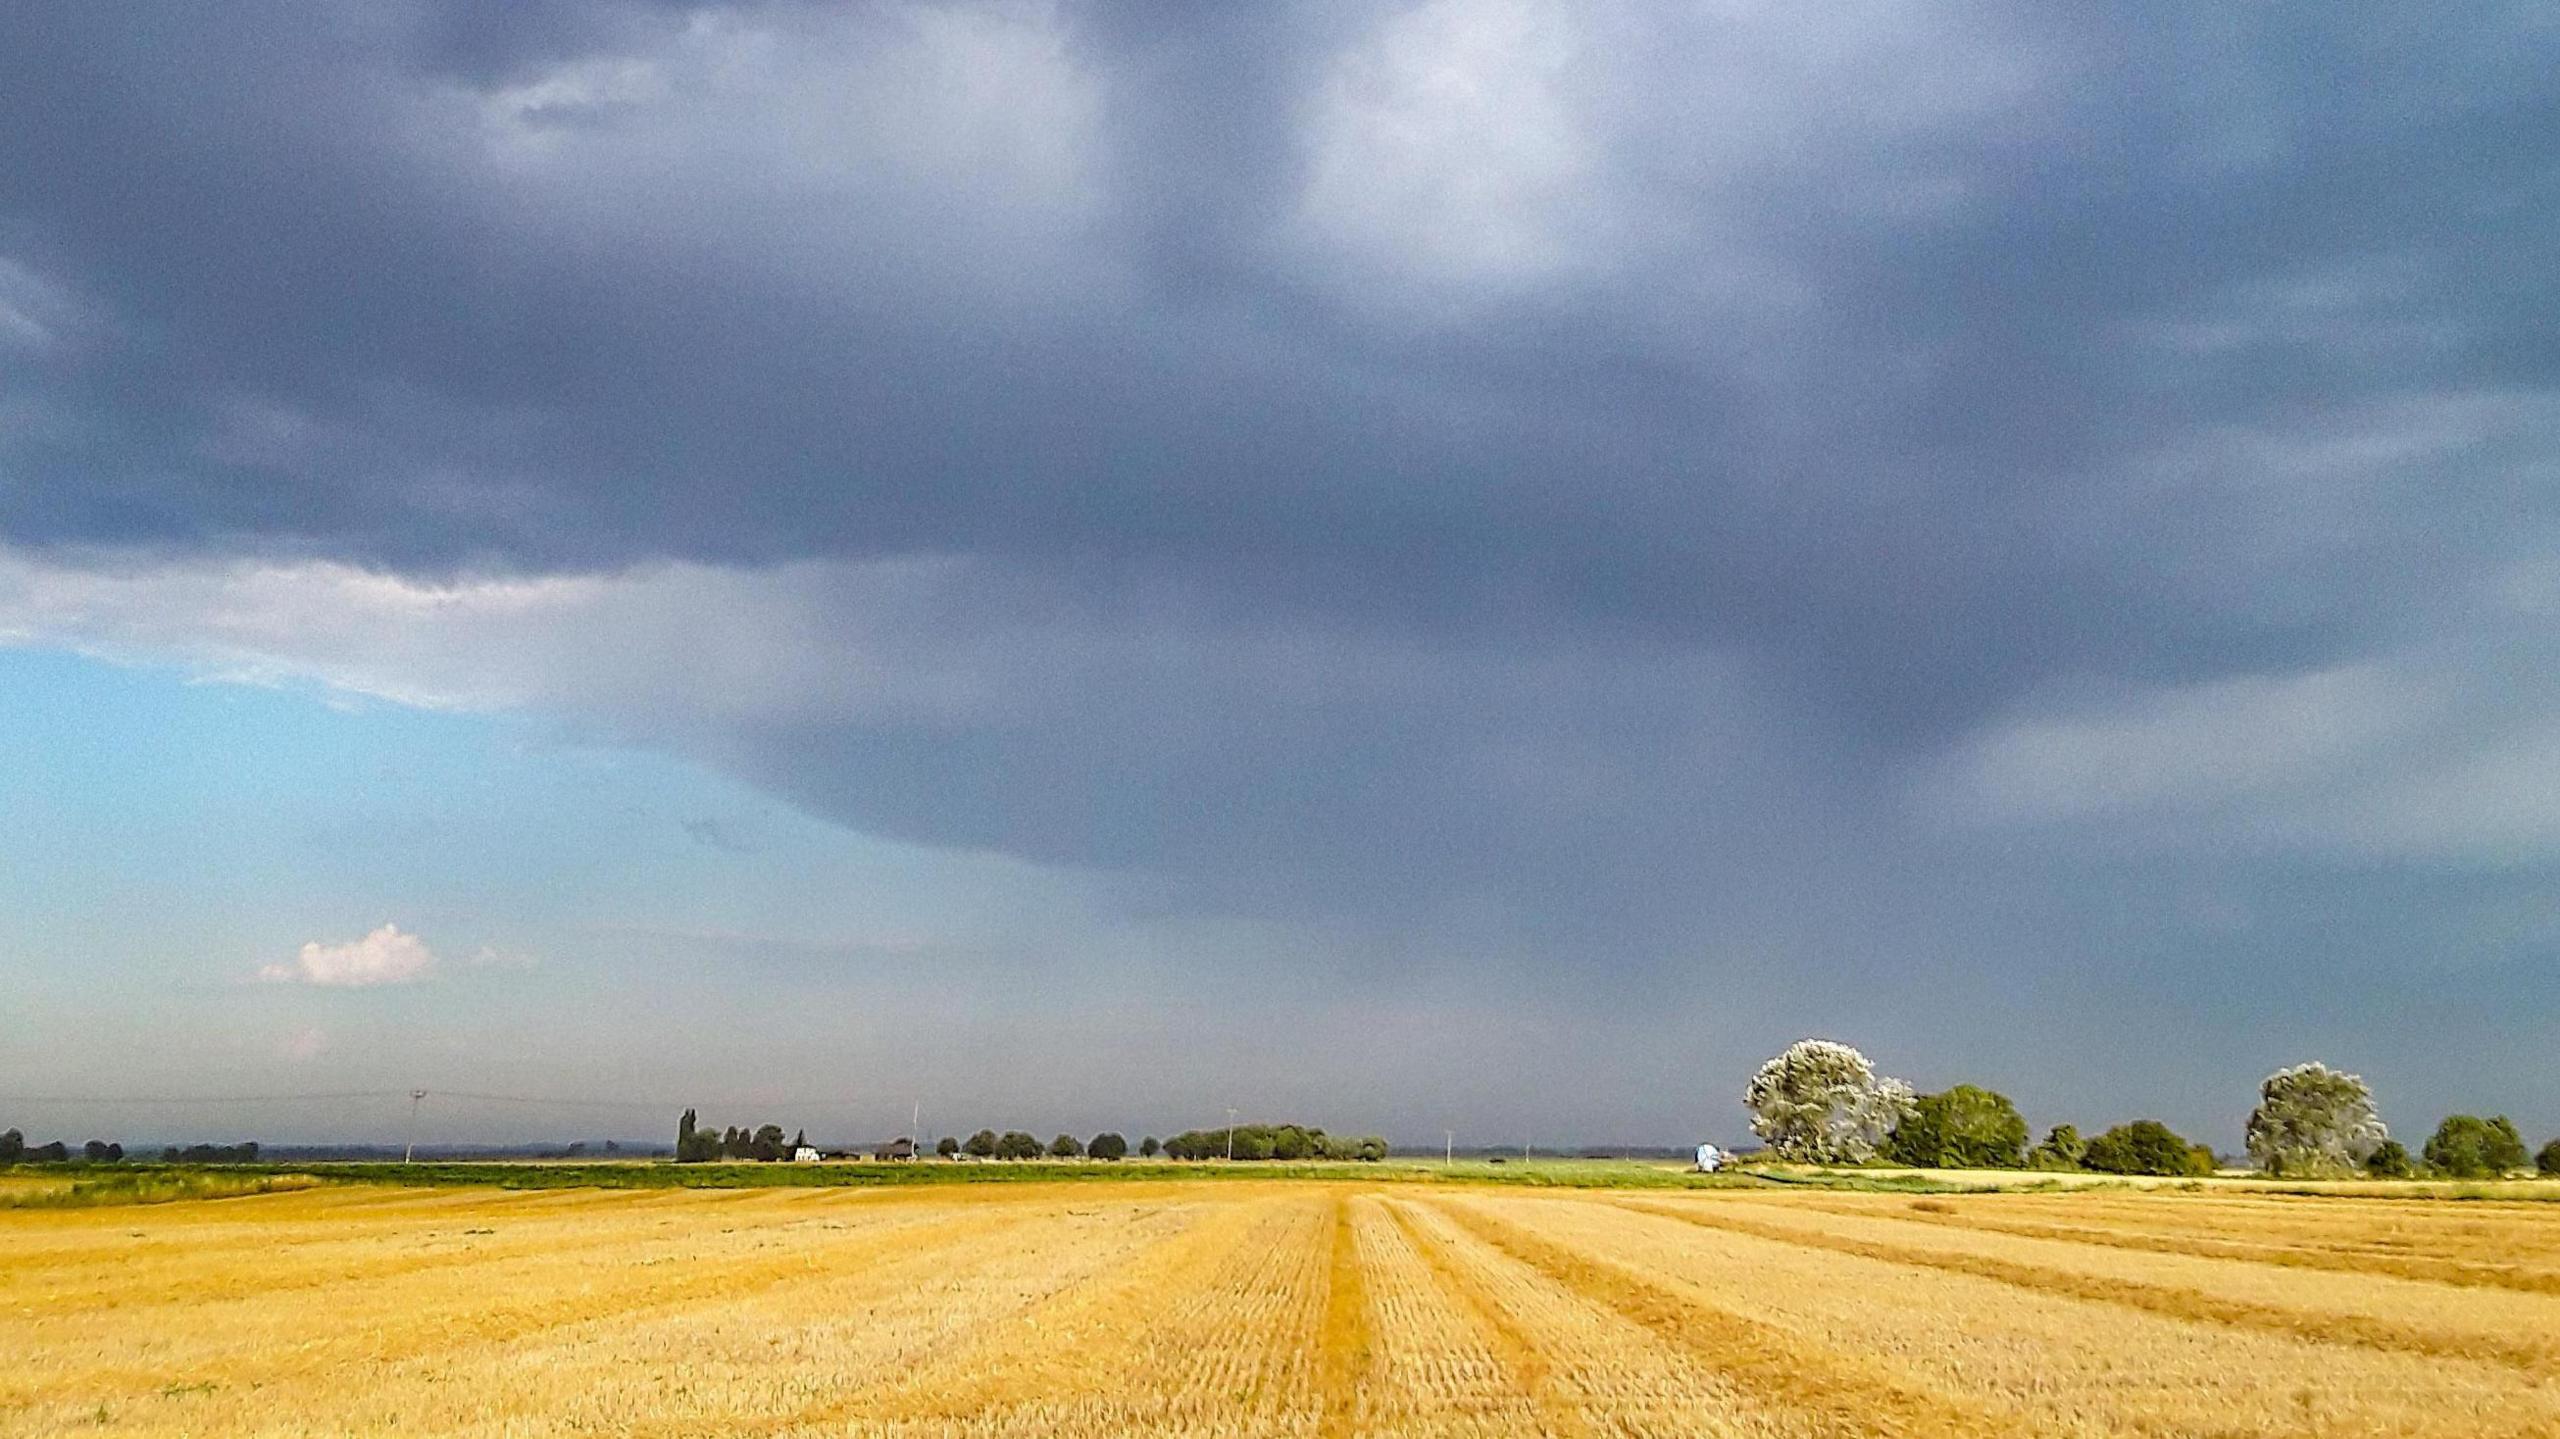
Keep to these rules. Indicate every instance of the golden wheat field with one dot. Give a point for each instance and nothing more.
(1279, 1308)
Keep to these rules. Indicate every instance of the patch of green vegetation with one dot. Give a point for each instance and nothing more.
(153, 1184)
(137, 1184)
(1544, 1173)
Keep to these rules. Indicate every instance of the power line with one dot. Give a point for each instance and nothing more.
(143, 1099)
(474, 1096)
(833, 1101)
(552, 1103)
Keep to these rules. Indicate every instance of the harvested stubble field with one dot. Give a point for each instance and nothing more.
(1245, 1307)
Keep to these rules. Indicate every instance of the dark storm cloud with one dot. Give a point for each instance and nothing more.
(296, 213)
(1583, 459)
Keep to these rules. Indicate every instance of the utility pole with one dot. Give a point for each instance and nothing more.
(1231, 1133)
(409, 1152)
(1448, 1148)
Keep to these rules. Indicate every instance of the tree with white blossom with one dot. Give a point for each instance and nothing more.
(1821, 1102)
(2314, 1120)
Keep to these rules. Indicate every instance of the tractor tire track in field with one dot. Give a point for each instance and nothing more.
(440, 1390)
(310, 1237)
(300, 1269)
(1513, 1346)
(285, 1222)
(509, 1322)
(1835, 1394)
(1342, 1341)
(2176, 1303)
(2329, 1259)
(1011, 1354)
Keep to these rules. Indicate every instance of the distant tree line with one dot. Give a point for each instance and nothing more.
(1015, 1144)
(14, 1149)
(1283, 1142)
(243, 1153)
(763, 1144)
(1822, 1102)
(697, 1144)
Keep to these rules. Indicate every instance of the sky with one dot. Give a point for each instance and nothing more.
(1476, 565)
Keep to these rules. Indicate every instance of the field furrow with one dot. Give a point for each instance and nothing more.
(2336, 1259)
(1835, 1393)
(1449, 1361)
(184, 1274)
(2374, 1312)
(1343, 1344)
(2073, 1366)
(2463, 1233)
(1590, 1367)
(250, 1339)
(1221, 1328)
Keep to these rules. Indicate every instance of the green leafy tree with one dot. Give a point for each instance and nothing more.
(2389, 1160)
(1256, 1142)
(1820, 1102)
(1148, 1148)
(695, 1145)
(2314, 1120)
(982, 1145)
(1065, 1146)
(2146, 1146)
(1964, 1128)
(766, 1143)
(13, 1146)
(2063, 1148)
(1108, 1145)
(2546, 1161)
(2466, 1146)
(948, 1147)
(1014, 1144)
(1369, 1149)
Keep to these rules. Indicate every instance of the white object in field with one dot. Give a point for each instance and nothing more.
(804, 1155)
(1710, 1159)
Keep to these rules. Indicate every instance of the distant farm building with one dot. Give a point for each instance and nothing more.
(805, 1155)
(899, 1148)
(1711, 1159)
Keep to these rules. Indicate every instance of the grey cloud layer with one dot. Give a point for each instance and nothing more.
(1697, 481)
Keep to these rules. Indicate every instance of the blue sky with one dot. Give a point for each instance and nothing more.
(1477, 562)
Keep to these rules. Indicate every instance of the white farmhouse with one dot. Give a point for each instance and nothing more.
(804, 1155)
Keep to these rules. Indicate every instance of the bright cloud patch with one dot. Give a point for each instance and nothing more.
(385, 956)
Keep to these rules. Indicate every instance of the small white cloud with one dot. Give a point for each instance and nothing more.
(385, 956)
